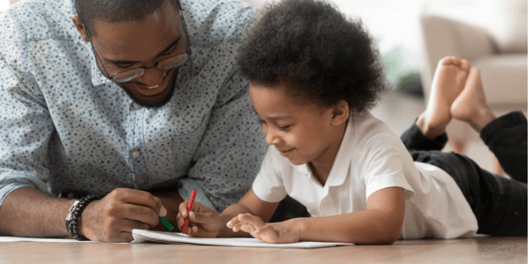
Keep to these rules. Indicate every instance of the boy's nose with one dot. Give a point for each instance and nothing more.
(271, 137)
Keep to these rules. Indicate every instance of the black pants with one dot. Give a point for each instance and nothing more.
(499, 203)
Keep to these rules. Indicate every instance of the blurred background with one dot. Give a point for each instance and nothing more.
(413, 35)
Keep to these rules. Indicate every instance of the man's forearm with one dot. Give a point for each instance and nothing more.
(32, 213)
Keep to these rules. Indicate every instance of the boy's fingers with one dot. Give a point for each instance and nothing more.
(251, 219)
(201, 218)
(233, 222)
(183, 209)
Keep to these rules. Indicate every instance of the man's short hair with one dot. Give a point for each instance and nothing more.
(113, 11)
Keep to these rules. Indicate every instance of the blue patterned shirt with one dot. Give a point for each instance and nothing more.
(65, 127)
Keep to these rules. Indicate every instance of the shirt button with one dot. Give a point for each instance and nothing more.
(135, 105)
(135, 154)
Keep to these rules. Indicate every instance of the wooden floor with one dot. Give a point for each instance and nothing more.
(475, 250)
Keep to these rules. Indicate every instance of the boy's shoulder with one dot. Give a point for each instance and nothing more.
(366, 129)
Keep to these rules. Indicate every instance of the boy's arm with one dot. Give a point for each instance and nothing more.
(380, 223)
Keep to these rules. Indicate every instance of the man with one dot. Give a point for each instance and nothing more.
(136, 102)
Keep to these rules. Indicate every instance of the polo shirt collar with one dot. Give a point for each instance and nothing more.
(303, 168)
(342, 162)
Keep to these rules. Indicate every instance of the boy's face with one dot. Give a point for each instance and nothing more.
(301, 133)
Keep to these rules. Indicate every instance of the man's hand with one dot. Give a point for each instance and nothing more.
(112, 218)
(203, 221)
(273, 233)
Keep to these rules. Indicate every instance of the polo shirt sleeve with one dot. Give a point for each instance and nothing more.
(269, 185)
(385, 168)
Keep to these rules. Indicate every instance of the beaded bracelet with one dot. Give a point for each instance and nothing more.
(72, 220)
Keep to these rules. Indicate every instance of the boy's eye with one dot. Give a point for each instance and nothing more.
(283, 128)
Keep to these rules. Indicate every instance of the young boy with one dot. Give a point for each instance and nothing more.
(313, 76)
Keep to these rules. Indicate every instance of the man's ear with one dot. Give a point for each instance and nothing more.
(80, 27)
(340, 113)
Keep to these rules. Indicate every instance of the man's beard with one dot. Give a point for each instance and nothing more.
(164, 101)
(151, 105)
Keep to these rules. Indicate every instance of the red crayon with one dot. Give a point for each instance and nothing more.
(189, 206)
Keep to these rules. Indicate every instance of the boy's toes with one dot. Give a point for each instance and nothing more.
(455, 60)
(448, 60)
(465, 65)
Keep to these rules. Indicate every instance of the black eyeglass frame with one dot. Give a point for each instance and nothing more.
(185, 55)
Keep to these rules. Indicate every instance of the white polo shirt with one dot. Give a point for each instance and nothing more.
(371, 157)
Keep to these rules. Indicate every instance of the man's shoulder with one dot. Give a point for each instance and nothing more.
(36, 20)
(218, 20)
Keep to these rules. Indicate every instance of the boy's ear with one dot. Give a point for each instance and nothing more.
(340, 113)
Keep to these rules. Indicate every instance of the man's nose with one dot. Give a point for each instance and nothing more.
(152, 76)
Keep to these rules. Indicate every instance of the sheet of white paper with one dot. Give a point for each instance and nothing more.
(173, 237)
(30, 239)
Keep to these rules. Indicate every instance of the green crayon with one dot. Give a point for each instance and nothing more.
(166, 223)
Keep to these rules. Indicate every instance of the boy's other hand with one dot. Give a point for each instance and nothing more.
(273, 233)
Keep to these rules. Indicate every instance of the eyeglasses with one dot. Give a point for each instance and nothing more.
(165, 64)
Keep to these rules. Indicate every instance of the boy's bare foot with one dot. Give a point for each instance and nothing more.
(471, 105)
(449, 80)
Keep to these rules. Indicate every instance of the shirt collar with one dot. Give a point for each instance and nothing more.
(342, 162)
(303, 168)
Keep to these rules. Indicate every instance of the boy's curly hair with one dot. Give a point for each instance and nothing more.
(314, 51)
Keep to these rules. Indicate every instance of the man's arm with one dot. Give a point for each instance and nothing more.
(28, 212)
(25, 131)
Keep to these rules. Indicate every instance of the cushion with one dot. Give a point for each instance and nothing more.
(504, 78)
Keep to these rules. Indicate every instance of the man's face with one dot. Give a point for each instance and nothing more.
(124, 46)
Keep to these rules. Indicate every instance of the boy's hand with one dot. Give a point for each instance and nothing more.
(203, 221)
(274, 233)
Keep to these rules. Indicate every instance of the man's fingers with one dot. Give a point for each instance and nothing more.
(160, 209)
(128, 225)
(139, 197)
(139, 213)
